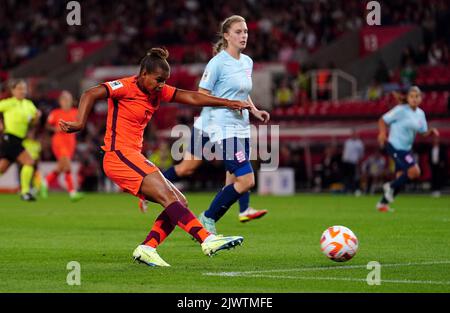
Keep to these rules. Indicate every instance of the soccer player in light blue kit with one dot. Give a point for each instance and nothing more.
(227, 75)
(404, 121)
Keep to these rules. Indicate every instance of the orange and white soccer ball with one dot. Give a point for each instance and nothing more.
(339, 243)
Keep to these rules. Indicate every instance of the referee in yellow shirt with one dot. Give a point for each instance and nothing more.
(18, 114)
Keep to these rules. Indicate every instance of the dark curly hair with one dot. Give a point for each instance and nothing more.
(155, 58)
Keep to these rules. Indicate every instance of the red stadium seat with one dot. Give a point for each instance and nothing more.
(433, 75)
(299, 111)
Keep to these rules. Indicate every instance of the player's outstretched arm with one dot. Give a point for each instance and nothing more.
(432, 131)
(196, 98)
(87, 100)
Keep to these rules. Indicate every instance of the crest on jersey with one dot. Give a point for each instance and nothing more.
(115, 84)
(420, 124)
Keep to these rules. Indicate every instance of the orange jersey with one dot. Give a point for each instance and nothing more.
(53, 120)
(129, 111)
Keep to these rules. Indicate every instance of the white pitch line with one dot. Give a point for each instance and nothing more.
(308, 269)
(422, 282)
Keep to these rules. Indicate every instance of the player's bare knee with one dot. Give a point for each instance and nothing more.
(181, 197)
(251, 183)
(251, 180)
(191, 170)
(414, 172)
(184, 170)
(168, 198)
(229, 179)
(162, 197)
(245, 183)
(183, 200)
(30, 162)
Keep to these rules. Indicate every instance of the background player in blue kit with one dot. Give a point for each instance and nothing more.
(404, 121)
(227, 75)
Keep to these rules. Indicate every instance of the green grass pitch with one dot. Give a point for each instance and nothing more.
(280, 253)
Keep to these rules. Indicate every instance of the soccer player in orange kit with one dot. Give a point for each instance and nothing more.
(63, 145)
(131, 104)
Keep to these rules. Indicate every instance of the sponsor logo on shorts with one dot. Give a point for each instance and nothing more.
(409, 159)
(240, 156)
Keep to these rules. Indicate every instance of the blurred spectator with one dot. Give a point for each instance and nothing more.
(408, 73)
(373, 171)
(285, 156)
(354, 21)
(285, 53)
(331, 174)
(323, 79)
(88, 176)
(351, 156)
(436, 54)
(310, 39)
(303, 83)
(284, 95)
(421, 55)
(160, 156)
(382, 73)
(407, 54)
(374, 91)
(438, 164)
(429, 26)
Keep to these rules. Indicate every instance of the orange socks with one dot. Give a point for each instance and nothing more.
(160, 230)
(69, 181)
(175, 214)
(50, 178)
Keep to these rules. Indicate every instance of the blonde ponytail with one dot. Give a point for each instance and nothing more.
(224, 28)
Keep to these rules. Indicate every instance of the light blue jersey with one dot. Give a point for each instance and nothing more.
(231, 79)
(201, 123)
(404, 124)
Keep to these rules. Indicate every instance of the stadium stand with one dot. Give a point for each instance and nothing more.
(276, 38)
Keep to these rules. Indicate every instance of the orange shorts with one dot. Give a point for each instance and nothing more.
(127, 168)
(65, 150)
(63, 146)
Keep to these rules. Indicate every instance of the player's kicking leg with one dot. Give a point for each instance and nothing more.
(185, 168)
(155, 187)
